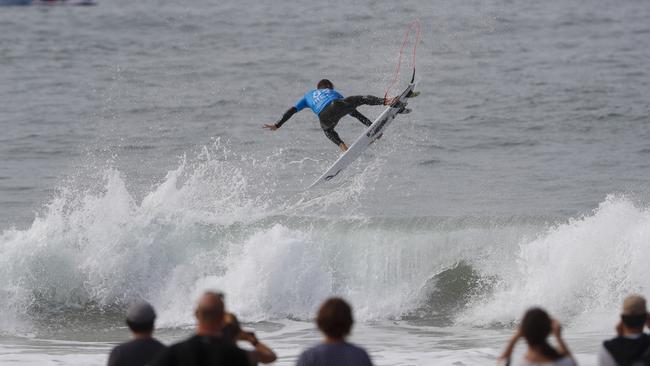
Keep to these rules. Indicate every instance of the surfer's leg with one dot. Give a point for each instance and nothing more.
(333, 136)
(358, 100)
(363, 119)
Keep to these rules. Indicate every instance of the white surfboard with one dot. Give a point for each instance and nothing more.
(361, 144)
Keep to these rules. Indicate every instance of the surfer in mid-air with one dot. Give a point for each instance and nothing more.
(330, 106)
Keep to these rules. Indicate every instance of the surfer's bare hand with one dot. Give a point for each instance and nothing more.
(271, 127)
(343, 147)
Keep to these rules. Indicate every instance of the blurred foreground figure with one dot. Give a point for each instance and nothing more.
(143, 347)
(535, 328)
(632, 346)
(207, 347)
(334, 319)
(233, 332)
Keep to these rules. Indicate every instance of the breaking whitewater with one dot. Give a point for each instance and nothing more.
(428, 281)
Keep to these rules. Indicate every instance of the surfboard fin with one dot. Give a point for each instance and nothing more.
(413, 94)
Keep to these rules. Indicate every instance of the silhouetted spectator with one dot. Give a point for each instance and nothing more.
(232, 331)
(208, 347)
(143, 347)
(334, 319)
(631, 347)
(535, 328)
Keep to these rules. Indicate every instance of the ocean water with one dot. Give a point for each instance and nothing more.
(133, 165)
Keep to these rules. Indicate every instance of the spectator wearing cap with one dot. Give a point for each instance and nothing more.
(208, 347)
(143, 347)
(335, 321)
(631, 347)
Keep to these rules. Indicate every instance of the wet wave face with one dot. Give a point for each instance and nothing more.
(95, 249)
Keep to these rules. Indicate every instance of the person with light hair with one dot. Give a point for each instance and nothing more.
(631, 347)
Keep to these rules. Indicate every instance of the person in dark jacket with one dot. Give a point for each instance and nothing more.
(143, 347)
(208, 347)
(631, 347)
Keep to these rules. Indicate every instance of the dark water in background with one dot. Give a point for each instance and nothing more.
(527, 107)
(132, 131)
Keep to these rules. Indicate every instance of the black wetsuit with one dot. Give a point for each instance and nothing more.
(330, 116)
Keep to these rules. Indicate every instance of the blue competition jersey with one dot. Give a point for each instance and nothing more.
(318, 99)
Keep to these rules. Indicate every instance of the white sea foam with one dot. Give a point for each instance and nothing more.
(579, 270)
(202, 228)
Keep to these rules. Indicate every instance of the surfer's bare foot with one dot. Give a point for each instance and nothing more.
(343, 147)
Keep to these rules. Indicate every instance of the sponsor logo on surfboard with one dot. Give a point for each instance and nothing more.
(329, 177)
(380, 126)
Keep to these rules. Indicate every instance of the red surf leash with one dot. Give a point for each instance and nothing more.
(413, 25)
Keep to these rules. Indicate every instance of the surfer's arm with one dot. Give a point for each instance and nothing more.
(285, 117)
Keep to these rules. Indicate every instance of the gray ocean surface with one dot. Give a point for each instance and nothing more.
(133, 164)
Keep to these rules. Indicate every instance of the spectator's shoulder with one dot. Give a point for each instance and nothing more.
(357, 348)
(308, 356)
(169, 355)
(158, 344)
(363, 358)
(114, 356)
(238, 355)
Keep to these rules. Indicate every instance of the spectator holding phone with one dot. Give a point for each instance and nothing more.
(535, 328)
(260, 353)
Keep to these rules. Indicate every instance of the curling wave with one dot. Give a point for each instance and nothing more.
(100, 248)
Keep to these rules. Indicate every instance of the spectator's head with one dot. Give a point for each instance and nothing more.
(634, 314)
(325, 84)
(140, 318)
(536, 327)
(334, 318)
(209, 313)
(231, 327)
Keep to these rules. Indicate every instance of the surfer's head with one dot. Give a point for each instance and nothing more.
(325, 84)
(335, 318)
